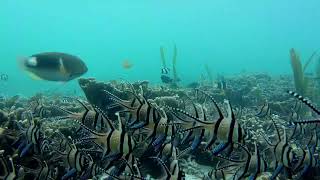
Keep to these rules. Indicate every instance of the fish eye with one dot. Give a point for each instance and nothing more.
(32, 61)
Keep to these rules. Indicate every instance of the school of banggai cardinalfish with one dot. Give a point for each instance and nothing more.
(104, 147)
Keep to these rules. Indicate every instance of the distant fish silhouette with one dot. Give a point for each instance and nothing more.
(4, 77)
(166, 79)
(165, 70)
(126, 64)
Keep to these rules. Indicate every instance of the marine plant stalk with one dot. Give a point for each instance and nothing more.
(174, 64)
(209, 74)
(300, 81)
(163, 59)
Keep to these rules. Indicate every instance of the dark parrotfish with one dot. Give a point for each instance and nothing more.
(54, 66)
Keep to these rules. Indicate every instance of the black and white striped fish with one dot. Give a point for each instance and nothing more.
(307, 161)
(174, 172)
(42, 173)
(77, 161)
(165, 70)
(38, 110)
(282, 151)
(94, 119)
(141, 111)
(249, 168)
(264, 111)
(145, 115)
(8, 171)
(224, 129)
(114, 144)
(33, 136)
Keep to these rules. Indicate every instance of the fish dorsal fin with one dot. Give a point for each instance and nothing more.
(256, 150)
(229, 110)
(285, 135)
(119, 121)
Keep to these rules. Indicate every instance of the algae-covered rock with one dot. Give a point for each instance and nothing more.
(95, 91)
(3, 117)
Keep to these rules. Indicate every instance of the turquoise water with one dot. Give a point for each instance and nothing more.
(231, 36)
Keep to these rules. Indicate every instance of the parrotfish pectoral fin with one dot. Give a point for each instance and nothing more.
(62, 68)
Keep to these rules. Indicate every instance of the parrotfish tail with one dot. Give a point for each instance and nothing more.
(69, 174)
(25, 150)
(277, 171)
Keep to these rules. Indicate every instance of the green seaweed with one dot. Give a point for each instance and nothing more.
(208, 70)
(317, 71)
(304, 84)
(175, 78)
(309, 60)
(174, 65)
(163, 59)
(300, 81)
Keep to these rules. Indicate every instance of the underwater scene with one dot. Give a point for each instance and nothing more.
(169, 90)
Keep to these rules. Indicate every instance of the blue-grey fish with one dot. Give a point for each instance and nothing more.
(53, 66)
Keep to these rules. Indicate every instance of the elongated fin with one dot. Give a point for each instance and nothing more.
(121, 102)
(306, 101)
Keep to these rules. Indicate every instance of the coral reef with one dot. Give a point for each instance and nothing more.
(127, 130)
